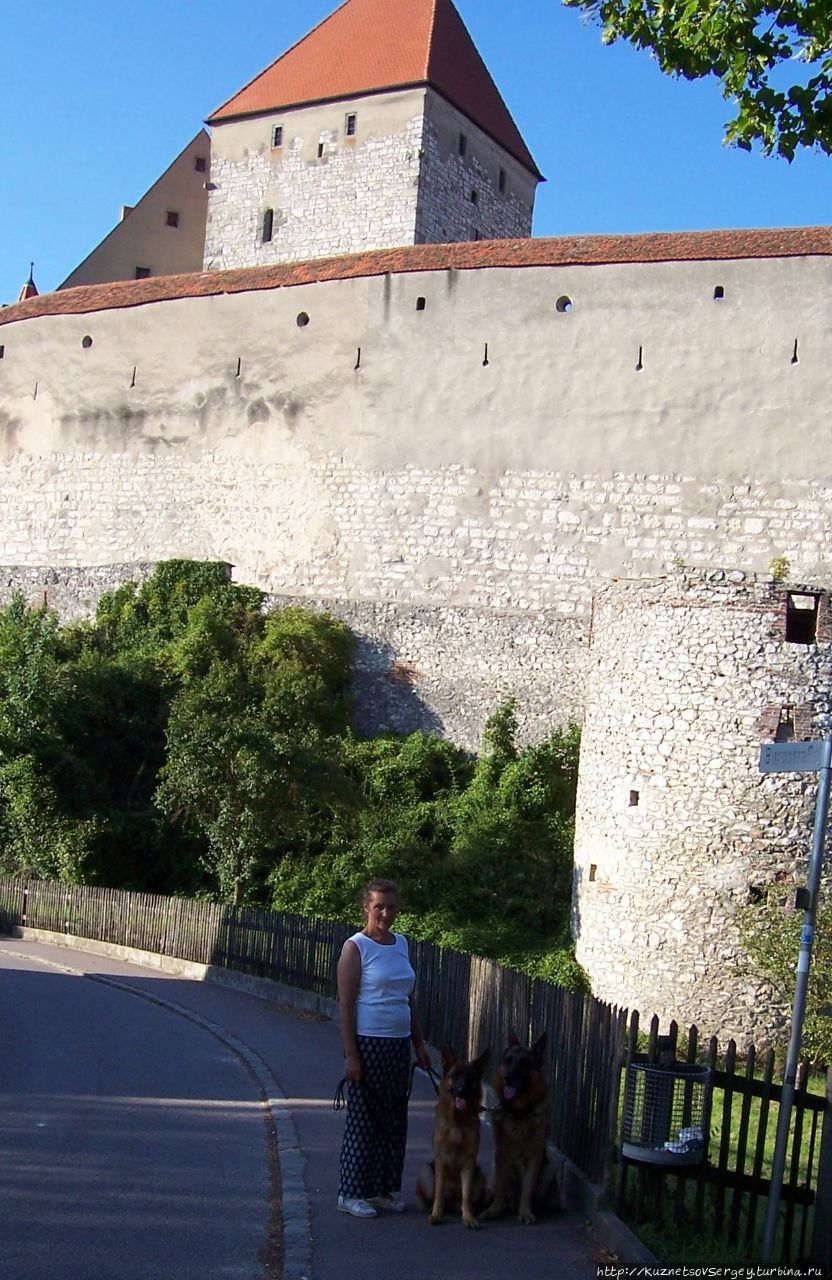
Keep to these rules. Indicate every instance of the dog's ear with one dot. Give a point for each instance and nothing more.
(448, 1057)
(539, 1046)
(482, 1061)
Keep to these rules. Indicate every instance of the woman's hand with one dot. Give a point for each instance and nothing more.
(422, 1057)
(352, 1067)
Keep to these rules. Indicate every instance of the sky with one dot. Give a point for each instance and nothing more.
(97, 97)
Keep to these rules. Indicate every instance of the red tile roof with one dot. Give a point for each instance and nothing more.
(369, 46)
(566, 251)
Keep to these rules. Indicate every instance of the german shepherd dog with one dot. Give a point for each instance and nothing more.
(523, 1179)
(453, 1175)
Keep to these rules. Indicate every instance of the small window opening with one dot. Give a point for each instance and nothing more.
(501, 181)
(172, 218)
(794, 353)
(200, 164)
(474, 195)
(320, 150)
(350, 124)
(421, 303)
(593, 868)
(2, 352)
(277, 135)
(142, 273)
(563, 304)
(462, 146)
(475, 233)
(785, 725)
(86, 342)
(640, 361)
(801, 618)
(302, 320)
(634, 799)
(719, 293)
(268, 225)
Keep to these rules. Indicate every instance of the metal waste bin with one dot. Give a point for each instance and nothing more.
(667, 1113)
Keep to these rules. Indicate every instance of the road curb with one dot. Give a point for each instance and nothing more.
(296, 1250)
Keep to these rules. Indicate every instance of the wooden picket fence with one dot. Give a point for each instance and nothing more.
(471, 1003)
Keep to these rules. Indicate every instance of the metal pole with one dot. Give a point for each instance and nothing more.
(799, 1007)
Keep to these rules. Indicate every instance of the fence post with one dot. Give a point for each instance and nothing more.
(821, 1235)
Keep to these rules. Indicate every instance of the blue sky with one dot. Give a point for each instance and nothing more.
(97, 97)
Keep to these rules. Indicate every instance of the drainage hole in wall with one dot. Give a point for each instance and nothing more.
(563, 304)
(86, 342)
(303, 320)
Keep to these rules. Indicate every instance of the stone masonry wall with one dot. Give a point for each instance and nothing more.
(349, 199)
(676, 827)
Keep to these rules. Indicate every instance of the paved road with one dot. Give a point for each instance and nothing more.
(193, 1113)
(132, 1142)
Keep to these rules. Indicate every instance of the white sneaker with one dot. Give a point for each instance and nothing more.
(358, 1208)
(393, 1204)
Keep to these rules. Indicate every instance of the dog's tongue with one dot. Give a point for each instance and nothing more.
(459, 1103)
(509, 1091)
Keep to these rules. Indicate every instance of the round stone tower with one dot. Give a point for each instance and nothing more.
(676, 827)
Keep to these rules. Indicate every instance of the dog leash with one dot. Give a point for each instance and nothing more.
(339, 1101)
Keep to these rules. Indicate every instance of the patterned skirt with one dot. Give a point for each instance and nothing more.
(375, 1133)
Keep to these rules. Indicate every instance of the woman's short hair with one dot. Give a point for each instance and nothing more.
(378, 885)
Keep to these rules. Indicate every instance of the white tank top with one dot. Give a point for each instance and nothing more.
(387, 980)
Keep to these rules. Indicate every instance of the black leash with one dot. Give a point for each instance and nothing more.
(339, 1101)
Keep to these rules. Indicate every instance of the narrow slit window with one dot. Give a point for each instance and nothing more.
(802, 618)
(593, 871)
(200, 164)
(320, 150)
(350, 124)
(268, 226)
(474, 195)
(421, 303)
(462, 145)
(2, 352)
(172, 218)
(277, 135)
(634, 799)
(501, 182)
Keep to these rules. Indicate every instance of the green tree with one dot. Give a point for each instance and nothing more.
(773, 61)
(771, 932)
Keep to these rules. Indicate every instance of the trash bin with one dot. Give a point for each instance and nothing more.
(667, 1113)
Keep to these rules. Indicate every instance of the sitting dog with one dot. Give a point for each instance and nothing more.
(453, 1176)
(523, 1178)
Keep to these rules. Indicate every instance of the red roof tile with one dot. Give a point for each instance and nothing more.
(369, 46)
(566, 251)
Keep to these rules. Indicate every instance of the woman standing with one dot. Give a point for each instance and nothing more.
(378, 1023)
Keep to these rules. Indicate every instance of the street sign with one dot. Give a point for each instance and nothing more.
(795, 757)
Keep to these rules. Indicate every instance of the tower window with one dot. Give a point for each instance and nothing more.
(268, 225)
(719, 293)
(420, 304)
(350, 123)
(277, 135)
(320, 150)
(172, 218)
(200, 164)
(475, 233)
(801, 618)
(141, 273)
(474, 195)
(501, 181)
(2, 352)
(462, 145)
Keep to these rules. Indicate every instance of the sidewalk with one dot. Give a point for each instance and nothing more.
(297, 1058)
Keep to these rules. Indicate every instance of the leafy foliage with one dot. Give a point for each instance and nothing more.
(773, 61)
(771, 932)
(186, 742)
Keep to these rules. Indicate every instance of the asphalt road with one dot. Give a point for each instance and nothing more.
(132, 1141)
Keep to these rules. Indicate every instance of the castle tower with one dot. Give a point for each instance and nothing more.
(677, 830)
(381, 128)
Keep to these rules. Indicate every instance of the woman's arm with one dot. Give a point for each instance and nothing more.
(349, 980)
(422, 1055)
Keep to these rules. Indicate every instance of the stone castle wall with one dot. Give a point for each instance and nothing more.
(677, 828)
